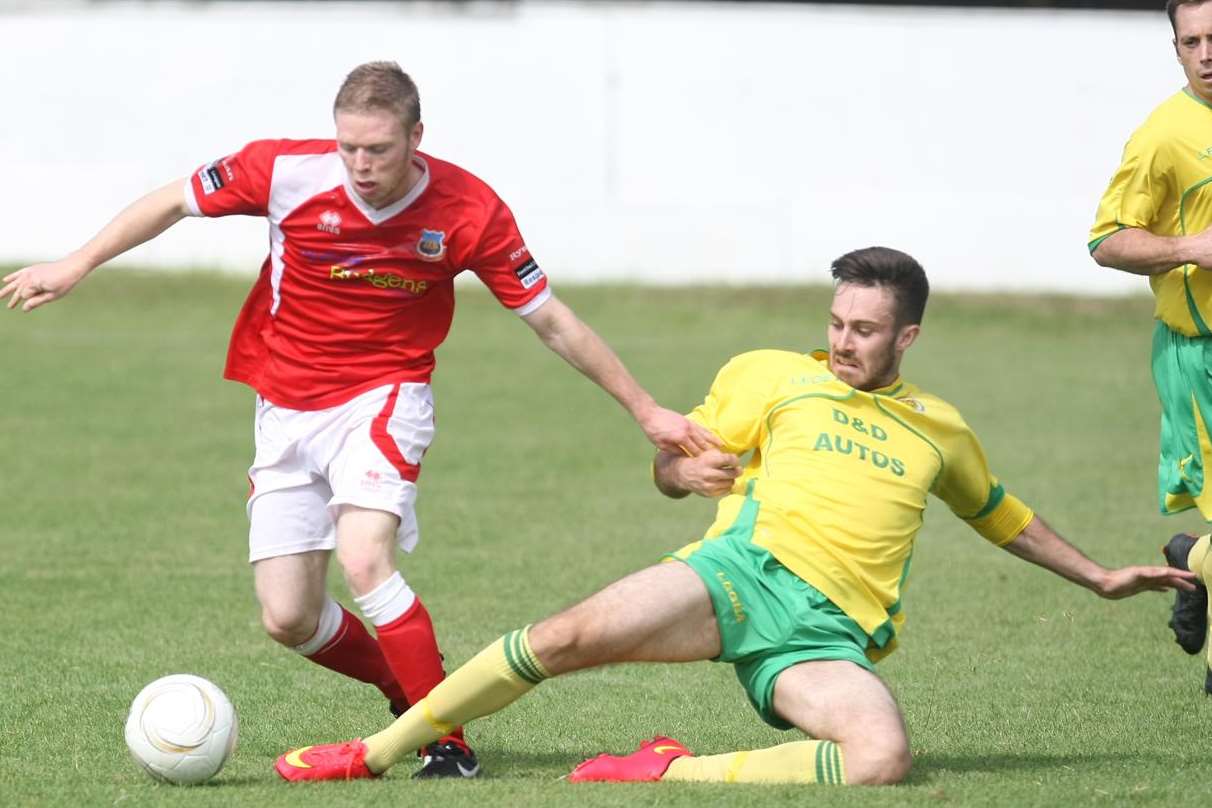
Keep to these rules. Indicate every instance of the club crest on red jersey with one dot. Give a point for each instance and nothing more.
(432, 245)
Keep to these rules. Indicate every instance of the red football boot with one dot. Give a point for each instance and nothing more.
(644, 765)
(329, 761)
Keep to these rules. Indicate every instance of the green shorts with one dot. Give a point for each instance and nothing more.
(769, 617)
(1182, 372)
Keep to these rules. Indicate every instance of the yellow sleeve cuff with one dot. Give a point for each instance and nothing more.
(1003, 524)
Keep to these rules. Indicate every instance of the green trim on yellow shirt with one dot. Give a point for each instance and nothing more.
(1192, 307)
(941, 462)
(895, 608)
(1196, 98)
(996, 495)
(1093, 245)
(780, 405)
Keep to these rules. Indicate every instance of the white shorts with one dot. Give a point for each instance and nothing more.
(366, 452)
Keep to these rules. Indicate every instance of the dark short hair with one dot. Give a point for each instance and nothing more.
(891, 269)
(1172, 7)
(380, 86)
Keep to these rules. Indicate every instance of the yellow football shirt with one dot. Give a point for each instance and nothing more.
(1162, 186)
(841, 477)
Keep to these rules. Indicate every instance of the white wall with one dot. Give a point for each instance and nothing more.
(645, 141)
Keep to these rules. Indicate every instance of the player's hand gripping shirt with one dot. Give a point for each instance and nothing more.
(840, 477)
(352, 297)
(1163, 186)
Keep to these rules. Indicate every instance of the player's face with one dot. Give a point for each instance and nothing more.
(1193, 43)
(377, 150)
(865, 344)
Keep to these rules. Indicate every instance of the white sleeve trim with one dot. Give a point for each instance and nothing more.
(532, 306)
(191, 202)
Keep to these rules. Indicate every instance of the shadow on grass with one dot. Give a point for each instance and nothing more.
(927, 766)
(498, 766)
(529, 765)
(239, 781)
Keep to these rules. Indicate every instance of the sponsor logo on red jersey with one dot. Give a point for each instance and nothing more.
(380, 279)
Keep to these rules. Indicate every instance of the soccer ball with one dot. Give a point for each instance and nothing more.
(181, 729)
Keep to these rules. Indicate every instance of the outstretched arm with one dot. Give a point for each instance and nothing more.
(564, 333)
(1041, 545)
(1140, 252)
(142, 221)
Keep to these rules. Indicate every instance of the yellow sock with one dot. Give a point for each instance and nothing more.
(1197, 559)
(797, 762)
(491, 680)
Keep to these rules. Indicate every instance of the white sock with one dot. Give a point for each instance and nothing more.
(387, 601)
(331, 617)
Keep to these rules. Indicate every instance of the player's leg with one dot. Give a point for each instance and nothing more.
(1187, 552)
(857, 730)
(1189, 615)
(1184, 388)
(291, 536)
(290, 591)
(662, 613)
(659, 614)
(366, 543)
(288, 536)
(371, 454)
(375, 446)
(803, 664)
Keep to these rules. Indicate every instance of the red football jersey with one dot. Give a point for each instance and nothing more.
(351, 297)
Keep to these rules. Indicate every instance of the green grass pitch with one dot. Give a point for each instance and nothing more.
(122, 547)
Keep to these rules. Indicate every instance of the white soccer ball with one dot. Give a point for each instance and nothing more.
(181, 729)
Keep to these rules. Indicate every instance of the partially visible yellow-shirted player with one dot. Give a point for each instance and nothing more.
(797, 583)
(1159, 187)
(1154, 219)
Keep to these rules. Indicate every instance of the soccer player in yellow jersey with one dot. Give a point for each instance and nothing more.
(1154, 220)
(797, 583)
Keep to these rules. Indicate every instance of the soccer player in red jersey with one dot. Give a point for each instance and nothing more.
(337, 338)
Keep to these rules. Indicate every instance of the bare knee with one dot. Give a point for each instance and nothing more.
(366, 546)
(365, 571)
(565, 642)
(365, 567)
(288, 624)
(291, 592)
(363, 574)
(869, 763)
